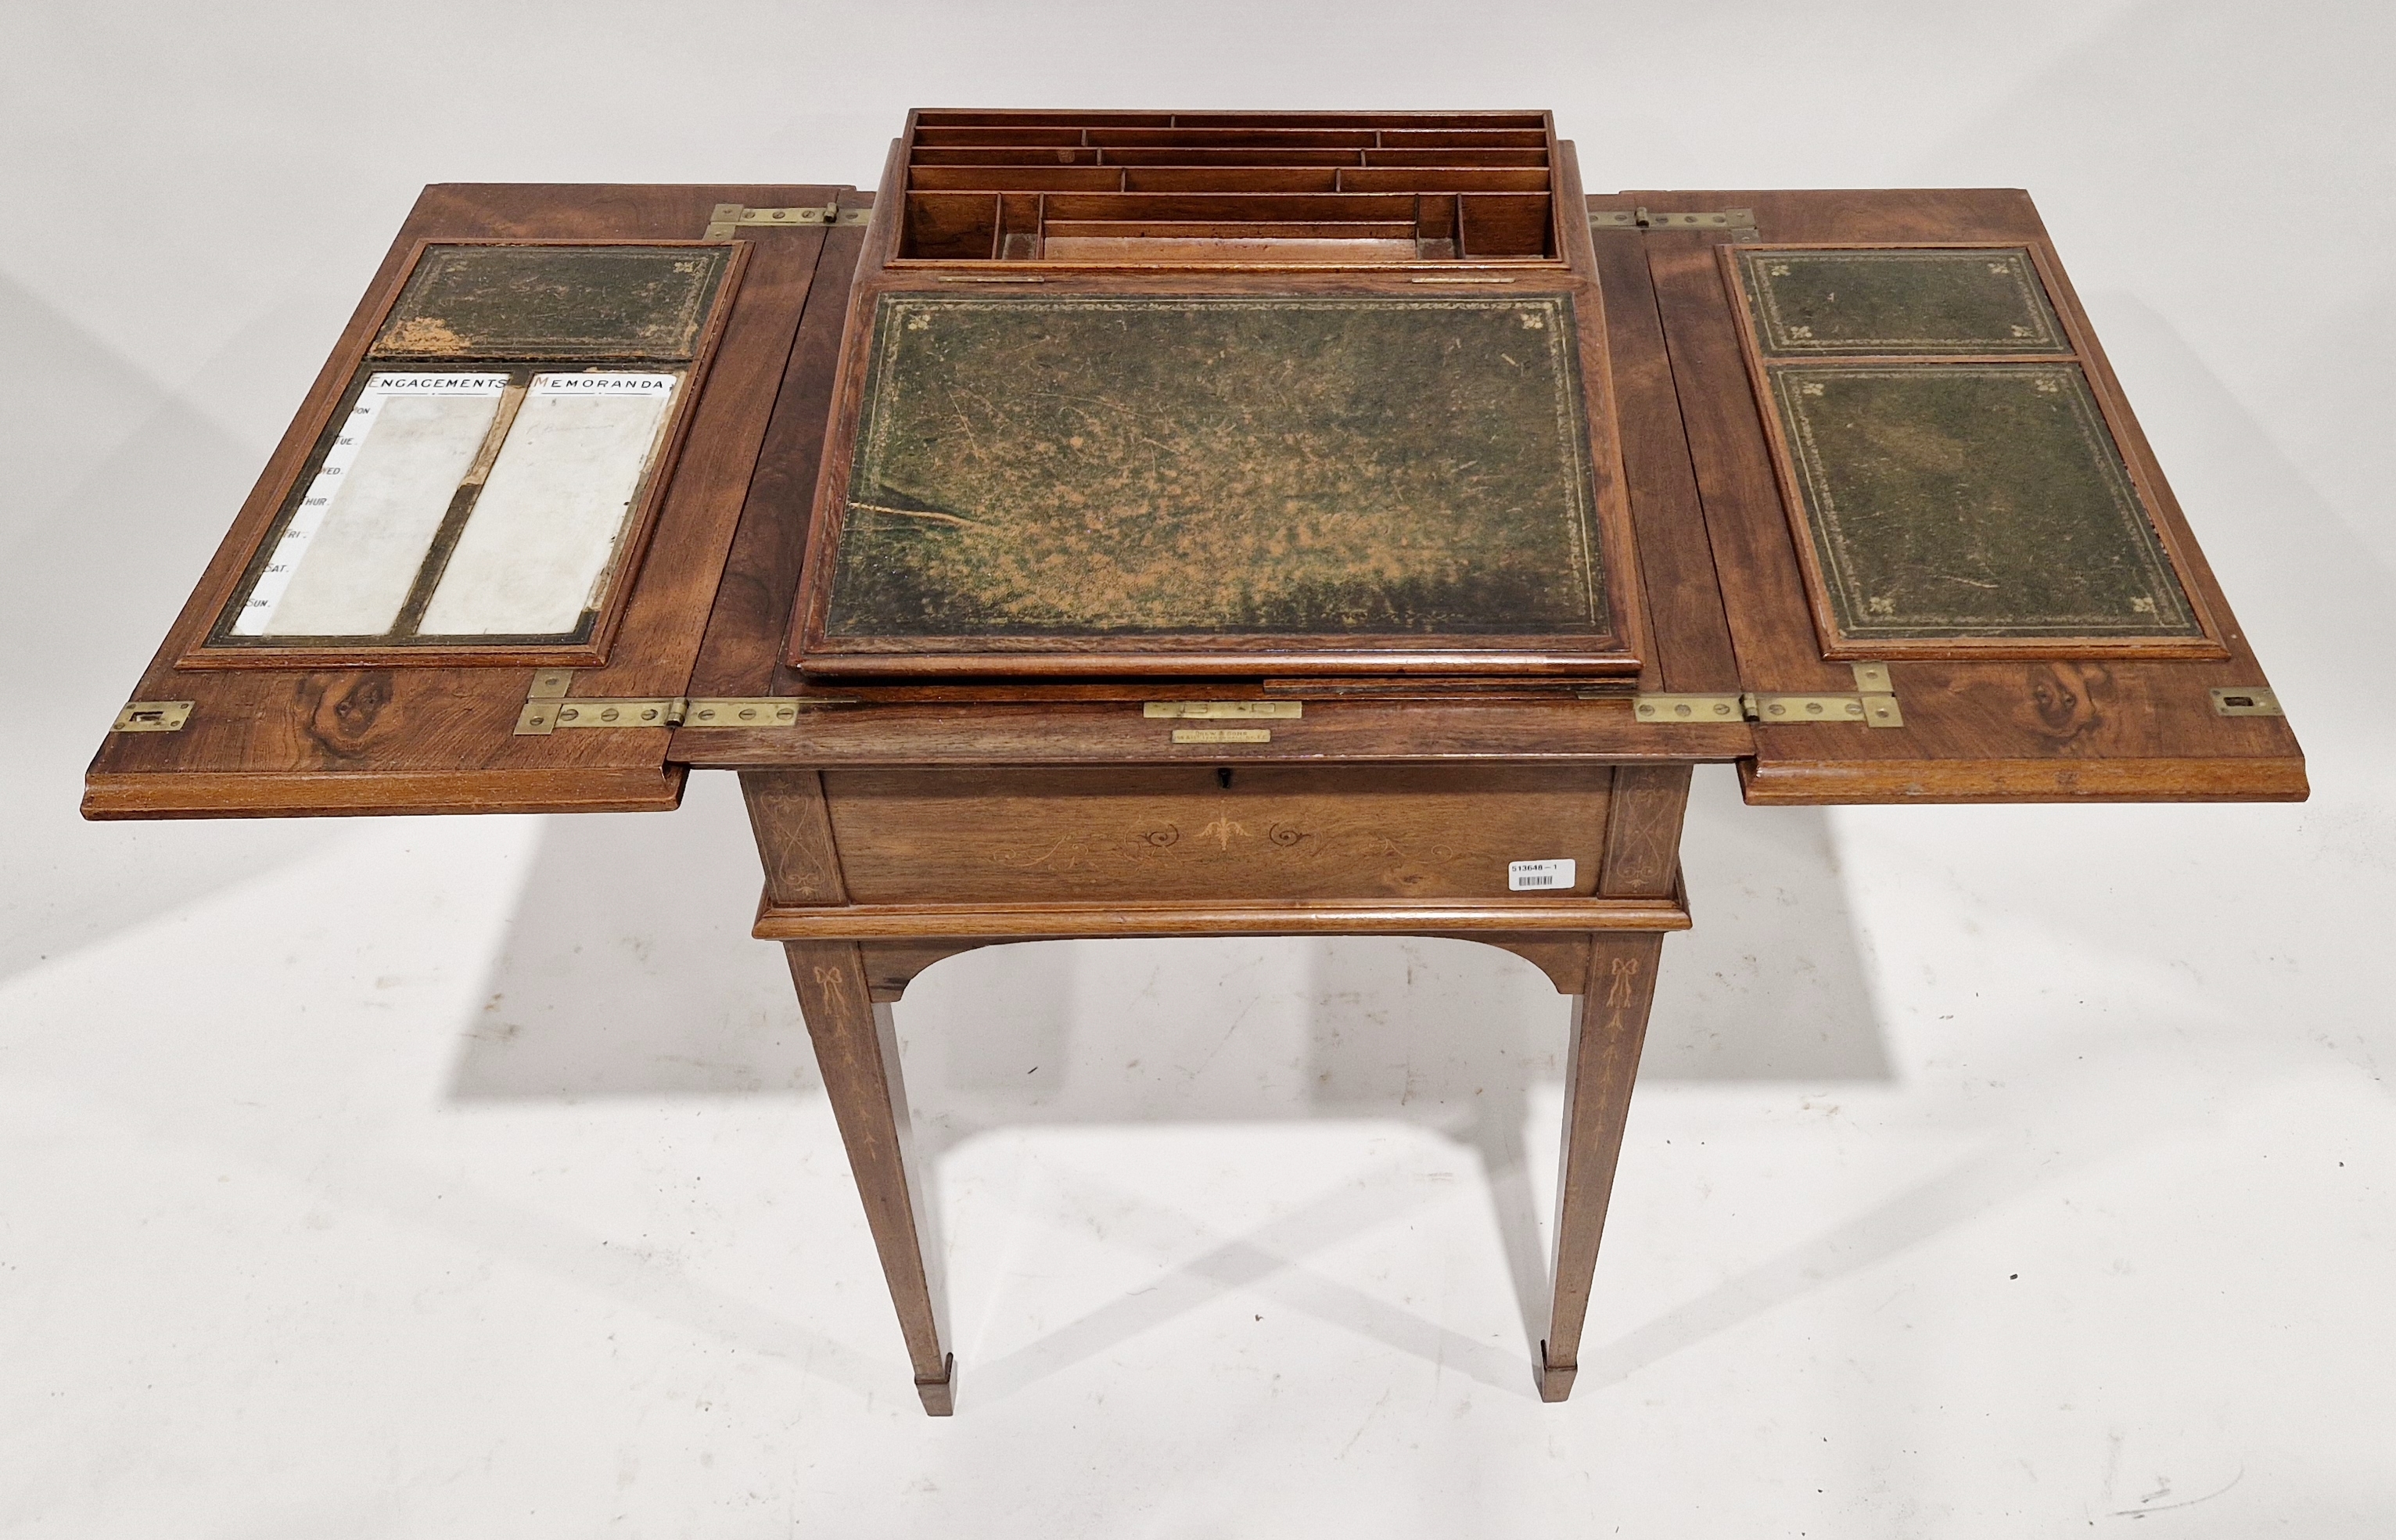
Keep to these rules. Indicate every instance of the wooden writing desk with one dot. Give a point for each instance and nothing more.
(1844, 493)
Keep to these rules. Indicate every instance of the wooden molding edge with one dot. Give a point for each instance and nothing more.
(306, 794)
(1818, 783)
(1024, 922)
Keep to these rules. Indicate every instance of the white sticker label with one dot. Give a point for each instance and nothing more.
(603, 384)
(438, 384)
(1522, 875)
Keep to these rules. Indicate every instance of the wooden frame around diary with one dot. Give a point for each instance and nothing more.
(212, 650)
(2161, 516)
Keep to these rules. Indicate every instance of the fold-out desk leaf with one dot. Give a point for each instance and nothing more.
(550, 401)
(1911, 453)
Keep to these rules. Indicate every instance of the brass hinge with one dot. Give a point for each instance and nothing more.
(1737, 223)
(1220, 710)
(730, 216)
(541, 718)
(2247, 701)
(152, 716)
(1873, 704)
(1689, 708)
(538, 718)
(755, 711)
(547, 707)
(1780, 710)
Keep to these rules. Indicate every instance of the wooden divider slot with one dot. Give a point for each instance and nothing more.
(1226, 188)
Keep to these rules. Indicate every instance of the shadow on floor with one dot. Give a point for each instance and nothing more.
(629, 972)
(119, 489)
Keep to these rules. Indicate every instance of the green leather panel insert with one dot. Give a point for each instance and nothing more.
(1973, 499)
(1833, 303)
(580, 303)
(1054, 465)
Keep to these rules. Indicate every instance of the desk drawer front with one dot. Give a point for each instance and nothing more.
(1429, 831)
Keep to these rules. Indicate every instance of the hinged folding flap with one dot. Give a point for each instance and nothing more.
(1880, 391)
(1103, 419)
(386, 733)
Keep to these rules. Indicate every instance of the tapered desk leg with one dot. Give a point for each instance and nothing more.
(857, 1051)
(1609, 1022)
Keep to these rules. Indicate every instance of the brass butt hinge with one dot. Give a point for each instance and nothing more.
(1681, 708)
(1873, 705)
(1871, 711)
(1737, 224)
(152, 716)
(541, 718)
(755, 711)
(547, 707)
(1203, 709)
(728, 218)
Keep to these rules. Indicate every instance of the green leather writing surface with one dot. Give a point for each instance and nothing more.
(1973, 499)
(1047, 465)
(554, 302)
(1895, 303)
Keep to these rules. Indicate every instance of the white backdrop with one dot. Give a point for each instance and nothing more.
(1995, 1172)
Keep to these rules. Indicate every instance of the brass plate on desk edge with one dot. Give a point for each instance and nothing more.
(152, 716)
(2246, 700)
(1223, 708)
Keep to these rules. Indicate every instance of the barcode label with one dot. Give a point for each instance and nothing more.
(1521, 875)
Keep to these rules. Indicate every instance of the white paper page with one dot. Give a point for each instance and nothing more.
(546, 526)
(351, 550)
